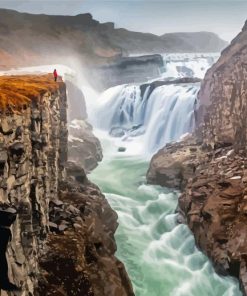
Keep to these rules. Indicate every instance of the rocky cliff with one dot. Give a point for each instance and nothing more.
(56, 228)
(211, 167)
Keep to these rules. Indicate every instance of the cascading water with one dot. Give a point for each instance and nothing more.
(152, 119)
(160, 256)
(187, 65)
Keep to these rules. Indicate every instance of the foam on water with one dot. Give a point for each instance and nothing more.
(160, 256)
(187, 65)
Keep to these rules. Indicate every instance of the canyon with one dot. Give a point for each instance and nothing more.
(67, 235)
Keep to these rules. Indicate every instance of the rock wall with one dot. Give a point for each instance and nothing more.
(223, 97)
(32, 155)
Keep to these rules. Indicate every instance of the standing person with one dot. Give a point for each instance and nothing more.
(55, 74)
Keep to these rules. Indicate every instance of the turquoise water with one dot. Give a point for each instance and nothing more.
(160, 255)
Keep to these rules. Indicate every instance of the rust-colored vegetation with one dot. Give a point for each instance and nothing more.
(16, 92)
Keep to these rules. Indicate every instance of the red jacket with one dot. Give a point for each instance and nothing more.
(55, 73)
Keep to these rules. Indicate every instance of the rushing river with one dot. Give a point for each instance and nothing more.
(159, 254)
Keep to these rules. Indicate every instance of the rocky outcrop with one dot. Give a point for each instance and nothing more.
(84, 148)
(60, 225)
(212, 173)
(223, 97)
(173, 165)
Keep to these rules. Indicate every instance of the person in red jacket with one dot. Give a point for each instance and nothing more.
(55, 75)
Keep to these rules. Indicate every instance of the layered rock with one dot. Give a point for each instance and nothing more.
(211, 167)
(33, 151)
(64, 228)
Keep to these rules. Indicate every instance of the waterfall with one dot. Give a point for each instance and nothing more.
(154, 119)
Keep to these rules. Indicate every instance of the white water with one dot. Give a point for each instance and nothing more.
(187, 65)
(151, 121)
(160, 256)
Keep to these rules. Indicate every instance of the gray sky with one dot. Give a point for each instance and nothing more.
(224, 17)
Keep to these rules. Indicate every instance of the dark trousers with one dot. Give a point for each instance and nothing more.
(5, 235)
(55, 78)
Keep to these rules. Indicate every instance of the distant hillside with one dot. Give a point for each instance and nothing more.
(195, 41)
(135, 42)
(27, 39)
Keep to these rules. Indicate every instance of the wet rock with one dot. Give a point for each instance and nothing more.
(121, 149)
(84, 148)
(117, 132)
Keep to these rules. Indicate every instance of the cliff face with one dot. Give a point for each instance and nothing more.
(210, 167)
(33, 151)
(223, 96)
(56, 228)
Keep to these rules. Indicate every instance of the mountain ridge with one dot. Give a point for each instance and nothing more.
(31, 39)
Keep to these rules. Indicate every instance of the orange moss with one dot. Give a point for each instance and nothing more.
(18, 91)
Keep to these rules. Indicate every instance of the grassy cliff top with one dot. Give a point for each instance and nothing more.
(18, 91)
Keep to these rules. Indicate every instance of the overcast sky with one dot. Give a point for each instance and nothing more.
(224, 17)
